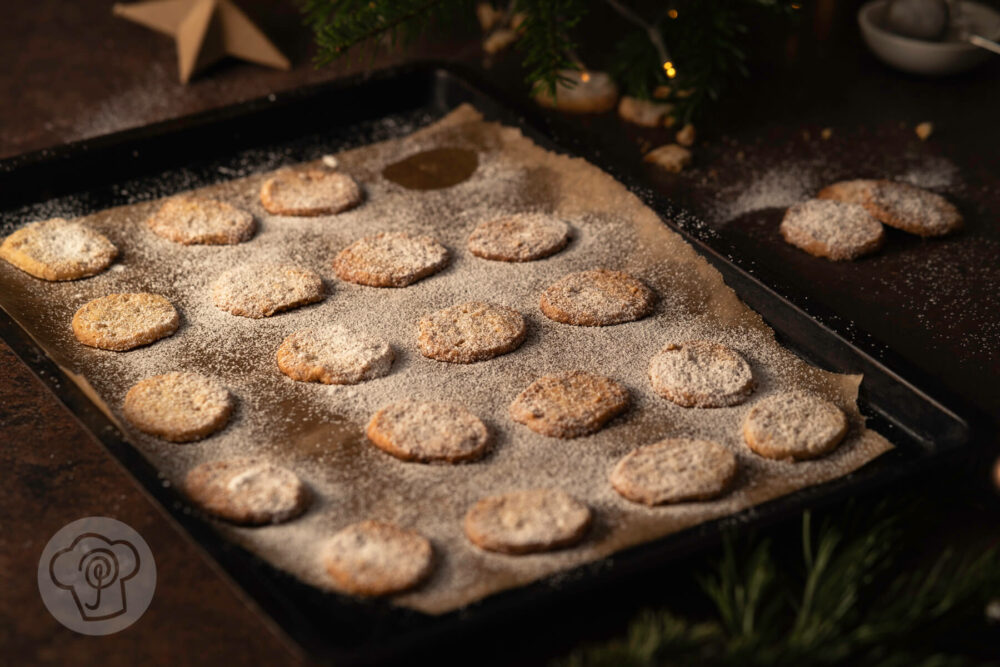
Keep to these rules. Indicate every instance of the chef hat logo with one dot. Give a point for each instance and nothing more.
(95, 571)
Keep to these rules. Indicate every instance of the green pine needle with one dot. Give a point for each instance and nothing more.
(848, 602)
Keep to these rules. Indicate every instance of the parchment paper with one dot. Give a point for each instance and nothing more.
(318, 430)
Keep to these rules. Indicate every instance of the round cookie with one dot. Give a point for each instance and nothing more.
(193, 220)
(569, 404)
(180, 407)
(523, 522)
(123, 321)
(427, 432)
(832, 229)
(857, 191)
(333, 355)
(376, 558)
(522, 237)
(899, 205)
(247, 491)
(261, 290)
(309, 192)
(469, 332)
(580, 92)
(675, 470)
(390, 259)
(794, 426)
(58, 249)
(597, 298)
(701, 374)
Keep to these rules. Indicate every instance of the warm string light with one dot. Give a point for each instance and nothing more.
(585, 77)
(668, 67)
(673, 13)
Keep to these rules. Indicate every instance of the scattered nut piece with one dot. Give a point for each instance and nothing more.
(826, 133)
(661, 92)
(499, 40)
(924, 130)
(487, 15)
(671, 157)
(330, 162)
(685, 136)
(517, 20)
(687, 92)
(643, 112)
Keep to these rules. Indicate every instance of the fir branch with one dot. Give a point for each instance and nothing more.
(546, 42)
(848, 604)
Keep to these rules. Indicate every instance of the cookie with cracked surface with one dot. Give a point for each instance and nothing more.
(469, 332)
(247, 491)
(333, 355)
(597, 298)
(832, 229)
(429, 432)
(675, 470)
(701, 374)
(522, 237)
(261, 290)
(58, 249)
(310, 192)
(390, 259)
(569, 404)
(191, 220)
(180, 407)
(376, 558)
(121, 322)
(794, 426)
(899, 205)
(523, 522)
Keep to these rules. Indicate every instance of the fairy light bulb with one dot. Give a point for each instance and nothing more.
(668, 67)
(672, 13)
(585, 77)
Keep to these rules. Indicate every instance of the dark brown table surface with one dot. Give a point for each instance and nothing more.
(71, 71)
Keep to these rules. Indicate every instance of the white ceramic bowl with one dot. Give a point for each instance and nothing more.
(923, 57)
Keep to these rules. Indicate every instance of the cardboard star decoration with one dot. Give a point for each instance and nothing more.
(205, 31)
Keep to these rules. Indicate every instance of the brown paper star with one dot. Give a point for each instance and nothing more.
(206, 31)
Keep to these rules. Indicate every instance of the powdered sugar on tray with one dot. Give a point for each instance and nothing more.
(315, 429)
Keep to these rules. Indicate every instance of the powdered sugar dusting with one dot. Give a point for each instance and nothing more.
(315, 430)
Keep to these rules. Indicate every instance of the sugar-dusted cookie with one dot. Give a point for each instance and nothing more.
(390, 259)
(469, 332)
(570, 404)
(420, 431)
(701, 374)
(261, 290)
(899, 205)
(247, 491)
(675, 470)
(333, 355)
(179, 407)
(793, 426)
(193, 220)
(832, 229)
(857, 191)
(597, 298)
(310, 192)
(58, 249)
(123, 321)
(522, 237)
(580, 92)
(529, 521)
(377, 558)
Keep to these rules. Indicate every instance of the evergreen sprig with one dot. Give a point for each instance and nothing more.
(702, 38)
(847, 601)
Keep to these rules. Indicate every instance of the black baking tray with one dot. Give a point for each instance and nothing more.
(164, 158)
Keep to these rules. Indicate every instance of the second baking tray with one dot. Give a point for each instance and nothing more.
(162, 159)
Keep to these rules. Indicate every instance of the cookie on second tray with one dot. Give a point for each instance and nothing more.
(832, 229)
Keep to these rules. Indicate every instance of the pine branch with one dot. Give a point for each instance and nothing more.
(546, 41)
